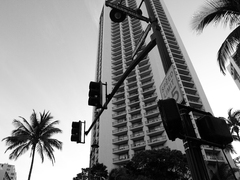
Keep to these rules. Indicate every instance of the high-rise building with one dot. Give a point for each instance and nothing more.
(7, 172)
(132, 122)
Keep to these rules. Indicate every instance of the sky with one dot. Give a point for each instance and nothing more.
(48, 53)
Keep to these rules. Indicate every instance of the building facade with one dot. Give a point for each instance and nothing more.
(7, 172)
(132, 122)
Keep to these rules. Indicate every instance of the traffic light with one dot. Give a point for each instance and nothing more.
(171, 118)
(76, 132)
(214, 130)
(95, 94)
(117, 15)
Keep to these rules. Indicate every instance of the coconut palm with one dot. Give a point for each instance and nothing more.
(233, 122)
(228, 13)
(36, 135)
(229, 149)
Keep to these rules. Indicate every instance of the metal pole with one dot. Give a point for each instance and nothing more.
(166, 60)
(192, 149)
(144, 52)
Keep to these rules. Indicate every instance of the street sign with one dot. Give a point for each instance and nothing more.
(141, 40)
(170, 87)
(129, 11)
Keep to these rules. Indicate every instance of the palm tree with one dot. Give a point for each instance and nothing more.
(99, 171)
(228, 13)
(229, 149)
(35, 135)
(233, 122)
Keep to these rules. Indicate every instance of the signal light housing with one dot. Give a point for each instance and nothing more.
(76, 132)
(95, 94)
(171, 118)
(117, 15)
(214, 130)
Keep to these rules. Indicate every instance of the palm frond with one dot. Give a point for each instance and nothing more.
(55, 143)
(18, 151)
(228, 48)
(48, 150)
(26, 124)
(230, 149)
(216, 12)
(40, 150)
(45, 117)
(50, 130)
(34, 120)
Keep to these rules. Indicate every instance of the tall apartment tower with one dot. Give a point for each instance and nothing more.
(7, 172)
(132, 122)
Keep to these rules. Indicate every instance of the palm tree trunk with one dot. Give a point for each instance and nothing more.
(30, 172)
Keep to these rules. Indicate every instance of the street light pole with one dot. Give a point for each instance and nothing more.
(193, 151)
(166, 61)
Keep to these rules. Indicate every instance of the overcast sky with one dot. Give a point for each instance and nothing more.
(48, 53)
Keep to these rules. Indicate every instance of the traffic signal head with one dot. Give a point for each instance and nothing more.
(171, 118)
(214, 130)
(76, 131)
(117, 15)
(95, 94)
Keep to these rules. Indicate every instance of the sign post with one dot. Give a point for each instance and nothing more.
(170, 87)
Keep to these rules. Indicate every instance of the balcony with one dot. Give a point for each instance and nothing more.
(120, 114)
(189, 84)
(120, 140)
(116, 78)
(119, 94)
(120, 122)
(134, 110)
(137, 135)
(147, 84)
(155, 131)
(120, 107)
(144, 68)
(150, 97)
(131, 83)
(117, 72)
(153, 121)
(121, 149)
(120, 131)
(134, 102)
(116, 66)
(138, 145)
(121, 160)
(136, 126)
(146, 78)
(118, 100)
(135, 118)
(195, 104)
(150, 105)
(132, 88)
(157, 141)
(151, 113)
(148, 90)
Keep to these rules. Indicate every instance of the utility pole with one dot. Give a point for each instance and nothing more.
(193, 151)
(166, 61)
